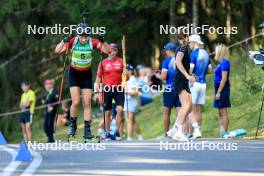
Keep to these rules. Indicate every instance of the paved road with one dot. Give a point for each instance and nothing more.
(242, 157)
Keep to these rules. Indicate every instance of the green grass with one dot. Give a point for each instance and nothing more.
(245, 98)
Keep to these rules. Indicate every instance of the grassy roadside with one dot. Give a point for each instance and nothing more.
(245, 98)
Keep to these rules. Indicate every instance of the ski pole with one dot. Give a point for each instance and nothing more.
(101, 56)
(124, 76)
(61, 85)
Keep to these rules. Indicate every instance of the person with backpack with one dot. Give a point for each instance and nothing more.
(80, 73)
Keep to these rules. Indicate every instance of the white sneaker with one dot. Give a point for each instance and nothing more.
(171, 132)
(140, 138)
(179, 136)
(196, 134)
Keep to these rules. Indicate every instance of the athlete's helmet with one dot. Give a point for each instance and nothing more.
(83, 29)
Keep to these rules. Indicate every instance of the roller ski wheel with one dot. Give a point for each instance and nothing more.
(93, 139)
(70, 137)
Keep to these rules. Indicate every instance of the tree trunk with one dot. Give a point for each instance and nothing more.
(195, 13)
(172, 18)
(228, 19)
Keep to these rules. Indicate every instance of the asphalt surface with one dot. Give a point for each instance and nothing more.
(232, 157)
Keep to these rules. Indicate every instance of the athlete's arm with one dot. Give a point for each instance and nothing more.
(163, 75)
(179, 65)
(223, 81)
(97, 84)
(60, 48)
(191, 69)
(105, 48)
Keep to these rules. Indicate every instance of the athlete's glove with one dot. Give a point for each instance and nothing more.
(101, 38)
(67, 38)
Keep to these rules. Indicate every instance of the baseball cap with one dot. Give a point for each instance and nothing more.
(169, 46)
(195, 38)
(130, 67)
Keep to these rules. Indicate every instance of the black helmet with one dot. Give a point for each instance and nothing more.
(83, 29)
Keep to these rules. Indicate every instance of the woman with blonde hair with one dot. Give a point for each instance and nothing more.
(222, 85)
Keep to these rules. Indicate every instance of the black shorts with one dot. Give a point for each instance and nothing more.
(82, 79)
(25, 117)
(111, 95)
(181, 84)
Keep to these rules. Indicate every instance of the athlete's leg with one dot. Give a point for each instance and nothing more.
(130, 122)
(166, 119)
(75, 96)
(23, 126)
(224, 118)
(108, 120)
(86, 102)
(199, 114)
(119, 116)
(28, 131)
(186, 103)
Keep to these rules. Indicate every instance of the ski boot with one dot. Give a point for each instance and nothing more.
(88, 136)
(72, 128)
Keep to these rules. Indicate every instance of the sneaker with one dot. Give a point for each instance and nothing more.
(222, 132)
(179, 136)
(162, 138)
(107, 136)
(171, 132)
(140, 137)
(117, 136)
(196, 134)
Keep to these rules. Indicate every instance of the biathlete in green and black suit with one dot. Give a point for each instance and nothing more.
(80, 73)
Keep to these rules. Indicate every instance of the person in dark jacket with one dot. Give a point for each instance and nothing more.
(50, 110)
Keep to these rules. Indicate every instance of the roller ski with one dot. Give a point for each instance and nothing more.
(88, 136)
(72, 129)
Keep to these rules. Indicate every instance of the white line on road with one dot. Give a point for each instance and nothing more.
(12, 165)
(34, 165)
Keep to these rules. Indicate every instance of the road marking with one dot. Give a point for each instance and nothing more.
(13, 164)
(34, 165)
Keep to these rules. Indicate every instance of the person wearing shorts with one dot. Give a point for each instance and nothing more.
(131, 103)
(110, 72)
(170, 98)
(181, 84)
(27, 105)
(80, 74)
(222, 86)
(199, 66)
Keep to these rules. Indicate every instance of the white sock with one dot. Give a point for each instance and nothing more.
(129, 138)
(140, 138)
(179, 127)
(195, 125)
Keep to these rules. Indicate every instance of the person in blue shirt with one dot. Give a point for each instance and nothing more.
(222, 86)
(170, 98)
(199, 66)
